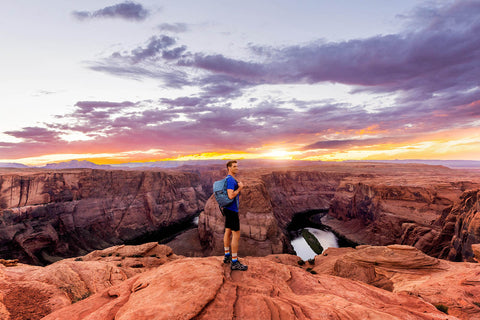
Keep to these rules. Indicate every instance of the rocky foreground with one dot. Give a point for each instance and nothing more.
(150, 282)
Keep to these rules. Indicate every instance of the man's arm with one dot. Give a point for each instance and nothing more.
(233, 193)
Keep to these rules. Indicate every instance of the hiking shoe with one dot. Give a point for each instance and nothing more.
(227, 259)
(238, 266)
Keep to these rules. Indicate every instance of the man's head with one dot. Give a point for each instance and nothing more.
(232, 166)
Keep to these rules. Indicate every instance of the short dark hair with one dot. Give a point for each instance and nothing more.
(230, 163)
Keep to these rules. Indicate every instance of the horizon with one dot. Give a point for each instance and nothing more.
(453, 164)
(115, 82)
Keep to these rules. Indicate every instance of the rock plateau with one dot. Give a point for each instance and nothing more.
(151, 282)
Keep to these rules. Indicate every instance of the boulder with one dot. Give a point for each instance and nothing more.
(406, 270)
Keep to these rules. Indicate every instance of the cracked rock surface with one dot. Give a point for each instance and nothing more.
(111, 284)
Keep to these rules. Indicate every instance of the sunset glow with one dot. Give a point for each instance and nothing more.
(122, 82)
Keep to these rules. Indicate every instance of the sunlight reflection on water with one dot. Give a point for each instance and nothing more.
(326, 238)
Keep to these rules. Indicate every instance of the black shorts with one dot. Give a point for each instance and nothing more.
(231, 220)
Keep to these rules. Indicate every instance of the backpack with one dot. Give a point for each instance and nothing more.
(220, 192)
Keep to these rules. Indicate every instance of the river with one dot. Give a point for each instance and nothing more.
(310, 221)
(326, 238)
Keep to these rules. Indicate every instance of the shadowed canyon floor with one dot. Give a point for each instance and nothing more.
(151, 282)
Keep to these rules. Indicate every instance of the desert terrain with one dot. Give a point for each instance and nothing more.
(83, 243)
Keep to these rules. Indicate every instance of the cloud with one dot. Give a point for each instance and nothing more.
(35, 134)
(126, 10)
(175, 27)
(89, 106)
(425, 66)
(183, 101)
(155, 45)
(431, 71)
(353, 143)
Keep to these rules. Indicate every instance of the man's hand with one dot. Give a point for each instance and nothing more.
(232, 194)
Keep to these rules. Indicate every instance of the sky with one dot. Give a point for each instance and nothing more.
(136, 81)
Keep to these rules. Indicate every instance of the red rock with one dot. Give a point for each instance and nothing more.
(260, 233)
(274, 287)
(405, 269)
(31, 292)
(466, 216)
(268, 290)
(47, 215)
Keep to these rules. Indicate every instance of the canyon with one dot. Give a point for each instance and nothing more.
(47, 215)
(65, 235)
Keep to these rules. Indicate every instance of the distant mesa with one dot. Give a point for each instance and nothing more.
(12, 165)
(165, 164)
(75, 164)
(453, 164)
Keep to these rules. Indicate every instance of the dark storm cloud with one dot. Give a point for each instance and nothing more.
(126, 10)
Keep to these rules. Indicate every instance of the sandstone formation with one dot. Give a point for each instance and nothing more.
(165, 286)
(31, 292)
(404, 208)
(260, 233)
(294, 191)
(47, 215)
(462, 226)
(268, 203)
(375, 204)
(406, 270)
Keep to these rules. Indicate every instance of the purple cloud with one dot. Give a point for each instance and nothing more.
(350, 143)
(126, 10)
(440, 57)
(35, 134)
(89, 106)
(432, 70)
(155, 45)
(175, 27)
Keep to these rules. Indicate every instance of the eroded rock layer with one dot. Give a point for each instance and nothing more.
(151, 282)
(48, 215)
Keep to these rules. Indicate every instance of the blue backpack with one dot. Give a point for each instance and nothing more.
(220, 192)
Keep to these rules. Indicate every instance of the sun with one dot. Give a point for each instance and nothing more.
(278, 154)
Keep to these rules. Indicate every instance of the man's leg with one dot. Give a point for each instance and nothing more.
(226, 237)
(235, 239)
(226, 244)
(236, 265)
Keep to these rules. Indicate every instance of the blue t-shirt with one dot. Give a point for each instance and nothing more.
(233, 185)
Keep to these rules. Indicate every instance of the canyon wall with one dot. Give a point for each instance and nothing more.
(268, 203)
(425, 210)
(260, 231)
(46, 216)
(461, 224)
(49, 215)
(373, 204)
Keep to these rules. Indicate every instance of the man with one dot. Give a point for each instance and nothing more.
(232, 222)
